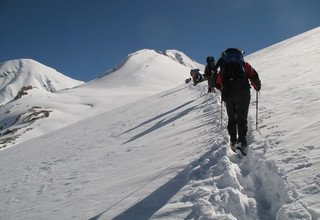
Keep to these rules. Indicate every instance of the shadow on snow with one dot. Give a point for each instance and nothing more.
(162, 122)
(157, 199)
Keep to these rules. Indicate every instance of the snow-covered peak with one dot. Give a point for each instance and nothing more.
(144, 69)
(16, 74)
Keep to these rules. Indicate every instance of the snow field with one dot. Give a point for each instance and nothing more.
(95, 163)
(172, 162)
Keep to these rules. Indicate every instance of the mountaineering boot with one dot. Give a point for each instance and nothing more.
(243, 147)
(233, 144)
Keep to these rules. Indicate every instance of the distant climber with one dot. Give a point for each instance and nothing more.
(196, 76)
(210, 73)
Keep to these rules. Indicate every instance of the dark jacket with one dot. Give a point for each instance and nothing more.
(210, 73)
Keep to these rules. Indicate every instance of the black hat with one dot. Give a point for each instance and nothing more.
(210, 59)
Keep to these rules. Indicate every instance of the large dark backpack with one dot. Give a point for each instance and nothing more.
(196, 76)
(232, 69)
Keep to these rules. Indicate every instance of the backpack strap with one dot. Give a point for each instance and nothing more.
(219, 84)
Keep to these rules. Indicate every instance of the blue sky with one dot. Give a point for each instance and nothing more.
(84, 38)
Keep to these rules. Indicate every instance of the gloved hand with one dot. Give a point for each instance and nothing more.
(211, 89)
(258, 87)
(195, 83)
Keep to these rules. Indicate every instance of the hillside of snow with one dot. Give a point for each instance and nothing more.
(38, 111)
(146, 70)
(165, 155)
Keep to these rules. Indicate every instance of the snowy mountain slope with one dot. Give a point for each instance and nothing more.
(83, 169)
(166, 156)
(168, 162)
(145, 70)
(16, 74)
(37, 113)
(142, 74)
(26, 89)
(282, 171)
(280, 177)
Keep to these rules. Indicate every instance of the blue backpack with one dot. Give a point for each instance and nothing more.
(232, 69)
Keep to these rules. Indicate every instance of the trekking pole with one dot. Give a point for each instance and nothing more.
(221, 112)
(257, 110)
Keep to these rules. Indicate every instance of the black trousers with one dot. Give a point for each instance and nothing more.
(237, 104)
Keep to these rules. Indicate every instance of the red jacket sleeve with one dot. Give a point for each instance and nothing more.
(219, 81)
(252, 76)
